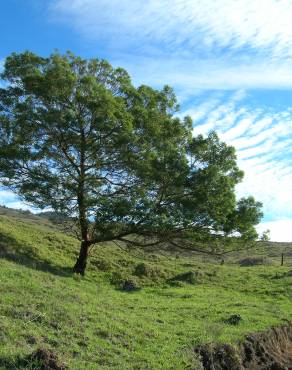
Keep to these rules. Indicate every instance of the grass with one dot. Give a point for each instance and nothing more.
(91, 324)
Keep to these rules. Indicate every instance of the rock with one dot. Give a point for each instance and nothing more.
(30, 339)
(234, 319)
(129, 286)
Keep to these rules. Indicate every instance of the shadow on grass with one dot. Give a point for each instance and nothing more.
(12, 250)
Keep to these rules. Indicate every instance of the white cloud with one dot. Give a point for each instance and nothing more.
(200, 112)
(239, 129)
(194, 23)
(206, 73)
(280, 230)
(21, 205)
(6, 196)
(190, 44)
(263, 140)
(11, 200)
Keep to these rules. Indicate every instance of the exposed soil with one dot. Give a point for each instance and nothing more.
(41, 359)
(269, 350)
(45, 360)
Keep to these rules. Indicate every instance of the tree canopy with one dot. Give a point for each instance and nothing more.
(78, 137)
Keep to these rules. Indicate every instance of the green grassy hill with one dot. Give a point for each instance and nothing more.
(91, 324)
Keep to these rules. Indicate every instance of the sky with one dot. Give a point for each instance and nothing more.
(229, 61)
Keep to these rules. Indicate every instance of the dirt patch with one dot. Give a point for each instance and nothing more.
(269, 350)
(46, 360)
(41, 359)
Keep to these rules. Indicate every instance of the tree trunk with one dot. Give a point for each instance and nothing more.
(81, 262)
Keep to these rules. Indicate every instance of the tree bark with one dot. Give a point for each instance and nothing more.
(81, 262)
(80, 265)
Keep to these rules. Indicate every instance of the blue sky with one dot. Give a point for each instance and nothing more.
(230, 62)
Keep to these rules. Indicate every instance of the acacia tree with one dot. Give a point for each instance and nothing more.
(77, 137)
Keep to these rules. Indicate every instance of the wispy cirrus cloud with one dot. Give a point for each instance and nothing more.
(190, 44)
(264, 154)
(187, 24)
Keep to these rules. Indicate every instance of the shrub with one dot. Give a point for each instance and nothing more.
(143, 269)
(234, 319)
(190, 277)
(176, 283)
(102, 265)
(129, 286)
(246, 262)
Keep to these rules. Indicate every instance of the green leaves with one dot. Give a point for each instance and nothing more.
(246, 214)
(78, 137)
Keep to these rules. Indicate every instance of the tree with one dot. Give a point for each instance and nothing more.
(78, 138)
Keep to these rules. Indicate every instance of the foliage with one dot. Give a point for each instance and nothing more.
(77, 137)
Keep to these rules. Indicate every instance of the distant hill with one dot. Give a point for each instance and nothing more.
(54, 217)
(22, 214)
(48, 218)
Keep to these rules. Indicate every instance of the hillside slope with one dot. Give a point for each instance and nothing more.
(92, 324)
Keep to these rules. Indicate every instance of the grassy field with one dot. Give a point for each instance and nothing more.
(91, 324)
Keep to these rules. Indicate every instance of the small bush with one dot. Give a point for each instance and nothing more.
(120, 279)
(124, 263)
(190, 277)
(153, 257)
(246, 262)
(233, 319)
(102, 265)
(129, 286)
(143, 269)
(175, 283)
(117, 278)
